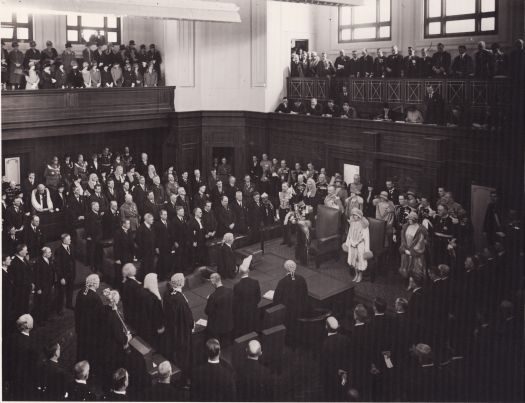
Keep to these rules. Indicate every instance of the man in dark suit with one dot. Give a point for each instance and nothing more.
(123, 250)
(139, 194)
(119, 386)
(226, 264)
(183, 200)
(394, 64)
(149, 206)
(493, 226)
(111, 220)
(255, 381)
(424, 379)
(89, 315)
(219, 309)
(65, 265)
(164, 245)
(78, 390)
(45, 279)
(75, 213)
(22, 360)
(240, 209)
(246, 297)
(255, 218)
(34, 238)
(463, 65)
(225, 218)
(162, 390)
(15, 215)
(366, 64)
(179, 324)
(180, 239)
(22, 278)
(334, 361)
(51, 378)
(215, 380)
(209, 221)
(93, 234)
(434, 102)
(100, 198)
(145, 241)
(381, 329)
(197, 238)
(417, 308)
(171, 207)
(440, 62)
(411, 64)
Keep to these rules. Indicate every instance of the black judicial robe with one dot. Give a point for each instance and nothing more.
(293, 294)
(226, 265)
(219, 309)
(88, 319)
(213, 383)
(255, 382)
(179, 325)
(151, 319)
(52, 379)
(335, 354)
(131, 302)
(246, 297)
(115, 339)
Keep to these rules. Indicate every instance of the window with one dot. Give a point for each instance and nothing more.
(457, 18)
(86, 27)
(17, 26)
(369, 22)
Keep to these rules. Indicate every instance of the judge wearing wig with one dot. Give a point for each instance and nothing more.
(412, 249)
(358, 243)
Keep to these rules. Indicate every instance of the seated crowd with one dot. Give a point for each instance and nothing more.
(434, 347)
(100, 65)
(485, 64)
(436, 113)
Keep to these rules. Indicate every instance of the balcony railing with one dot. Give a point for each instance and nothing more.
(405, 91)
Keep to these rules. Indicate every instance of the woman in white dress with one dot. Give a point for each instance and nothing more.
(358, 243)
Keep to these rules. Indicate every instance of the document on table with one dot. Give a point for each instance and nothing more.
(269, 295)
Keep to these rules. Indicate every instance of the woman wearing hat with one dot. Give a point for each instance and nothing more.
(15, 62)
(412, 249)
(32, 78)
(358, 243)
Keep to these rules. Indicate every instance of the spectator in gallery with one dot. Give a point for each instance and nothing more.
(456, 117)
(379, 64)
(155, 58)
(394, 63)
(314, 108)
(296, 67)
(411, 64)
(483, 62)
(106, 80)
(366, 64)
(32, 55)
(88, 54)
(387, 113)
(434, 103)
(325, 68)
(313, 64)
(68, 56)
(354, 65)
(343, 96)
(500, 60)
(440, 62)
(283, 107)
(151, 76)
(128, 75)
(425, 64)
(414, 115)
(74, 76)
(297, 108)
(116, 75)
(32, 77)
(49, 54)
(331, 109)
(60, 75)
(86, 75)
(463, 65)
(96, 79)
(15, 61)
(348, 112)
(341, 64)
(47, 81)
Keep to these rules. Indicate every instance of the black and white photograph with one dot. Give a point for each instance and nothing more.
(263, 200)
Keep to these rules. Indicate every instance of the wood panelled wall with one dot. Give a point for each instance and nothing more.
(415, 156)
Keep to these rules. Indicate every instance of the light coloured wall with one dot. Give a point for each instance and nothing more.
(407, 29)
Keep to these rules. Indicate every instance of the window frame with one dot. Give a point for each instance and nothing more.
(377, 25)
(79, 27)
(477, 16)
(15, 24)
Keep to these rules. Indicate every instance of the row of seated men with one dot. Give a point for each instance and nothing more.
(485, 63)
(444, 343)
(103, 65)
(435, 113)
